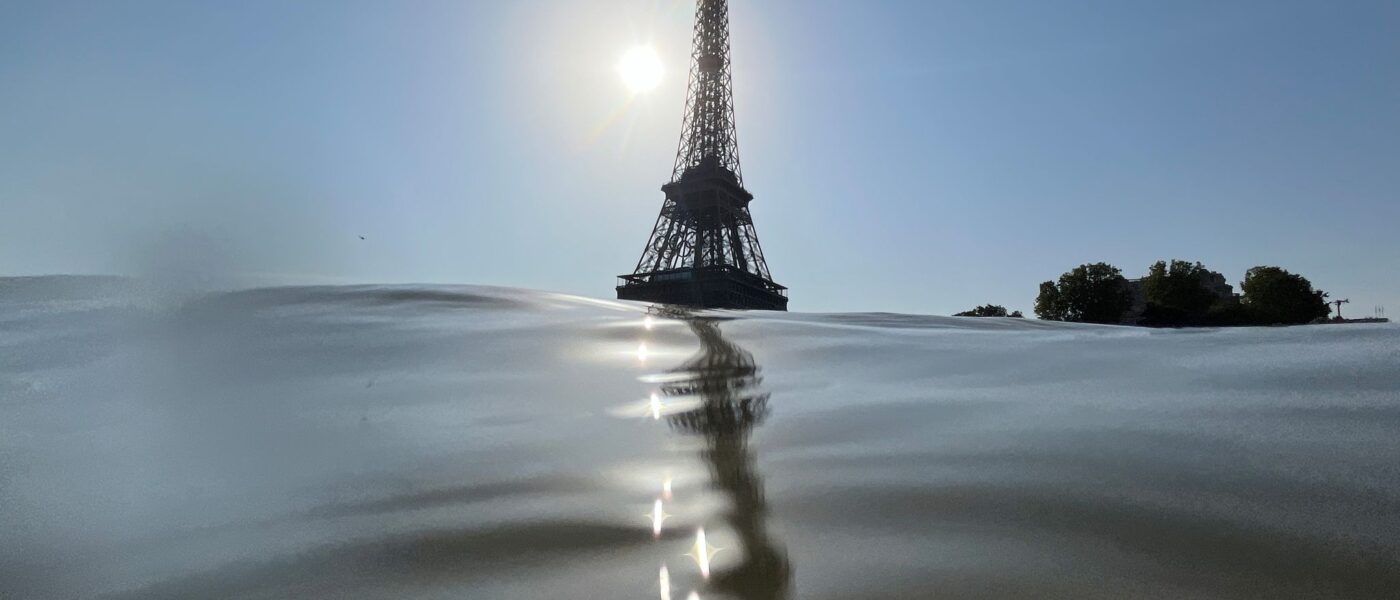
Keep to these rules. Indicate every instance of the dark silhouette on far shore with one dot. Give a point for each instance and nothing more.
(1180, 294)
(990, 310)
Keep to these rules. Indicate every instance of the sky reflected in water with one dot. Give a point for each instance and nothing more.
(446, 442)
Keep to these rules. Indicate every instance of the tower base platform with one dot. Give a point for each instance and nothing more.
(704, 287)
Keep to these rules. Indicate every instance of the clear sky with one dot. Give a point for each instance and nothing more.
(920, 156)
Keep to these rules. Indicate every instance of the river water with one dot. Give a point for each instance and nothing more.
(473, 442)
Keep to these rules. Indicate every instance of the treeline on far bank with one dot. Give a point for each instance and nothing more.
(1180, 294)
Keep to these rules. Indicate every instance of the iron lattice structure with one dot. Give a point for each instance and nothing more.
(703, 250)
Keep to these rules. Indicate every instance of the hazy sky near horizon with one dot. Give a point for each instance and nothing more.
(910, 156)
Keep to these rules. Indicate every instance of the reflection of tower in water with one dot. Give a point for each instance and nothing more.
(724, 378)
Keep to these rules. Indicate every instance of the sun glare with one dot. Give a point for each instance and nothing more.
(640, 69)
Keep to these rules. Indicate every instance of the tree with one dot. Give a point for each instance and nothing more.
(1179, 293)
(1048, 304)
(1275, 296)
(1093, 293)
(989, 310)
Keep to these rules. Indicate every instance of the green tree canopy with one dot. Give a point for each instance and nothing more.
(1092, 293)
(991, 309)
(1048, 304)
(1179, 293)
(1275, 296)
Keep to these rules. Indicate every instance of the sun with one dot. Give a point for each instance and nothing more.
(640, 69)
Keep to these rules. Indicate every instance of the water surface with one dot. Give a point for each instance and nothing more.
(472, 442)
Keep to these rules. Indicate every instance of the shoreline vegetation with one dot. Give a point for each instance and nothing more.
(1179, 293)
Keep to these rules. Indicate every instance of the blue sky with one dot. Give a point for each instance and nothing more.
(917, 156)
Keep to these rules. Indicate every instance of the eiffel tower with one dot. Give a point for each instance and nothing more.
(703, 251)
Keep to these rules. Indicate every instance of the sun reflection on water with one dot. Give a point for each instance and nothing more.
(702, 552)
(658, 516)
(715, 397)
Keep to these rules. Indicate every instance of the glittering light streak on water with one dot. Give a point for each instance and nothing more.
(657, 516)
(702, 552)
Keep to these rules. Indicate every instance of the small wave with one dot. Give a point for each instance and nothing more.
(450, 296)
(881, 320)
(447, 497)
(360, 567)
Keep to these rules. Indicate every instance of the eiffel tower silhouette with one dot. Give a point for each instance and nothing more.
(703, 251)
